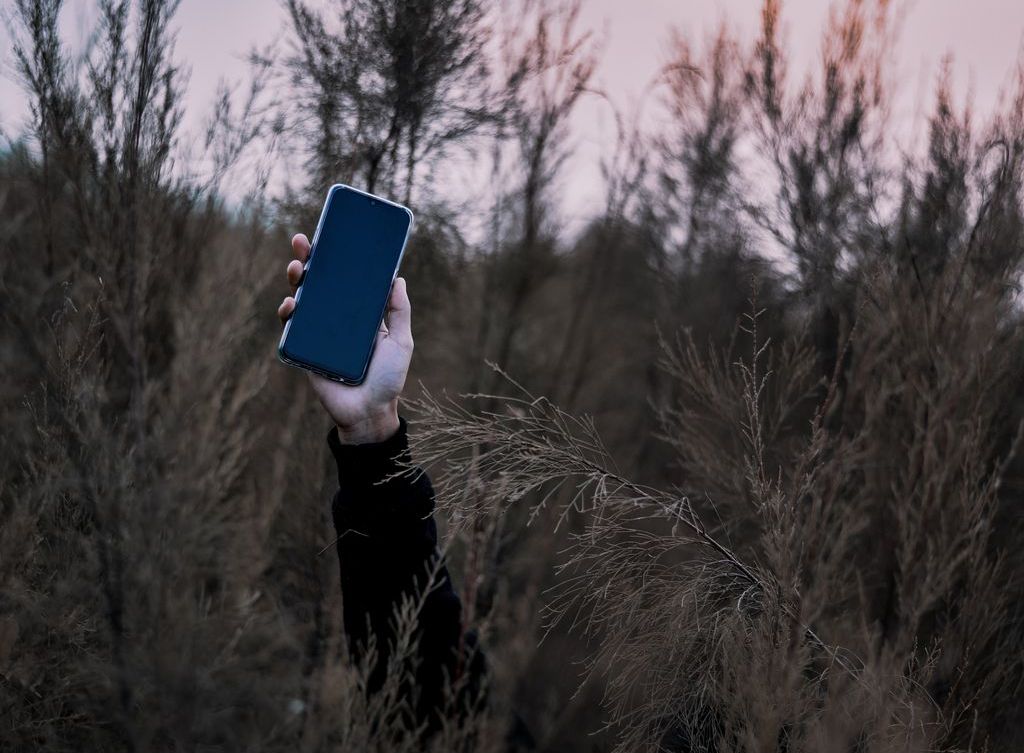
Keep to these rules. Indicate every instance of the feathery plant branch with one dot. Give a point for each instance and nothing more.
(529, 446)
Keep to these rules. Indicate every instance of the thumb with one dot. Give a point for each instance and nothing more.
(400, 314)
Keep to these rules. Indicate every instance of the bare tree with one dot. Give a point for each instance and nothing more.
(381, 85)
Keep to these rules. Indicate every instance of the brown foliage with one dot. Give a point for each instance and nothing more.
(754, 482)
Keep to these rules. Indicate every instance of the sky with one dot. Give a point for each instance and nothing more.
(985, 38)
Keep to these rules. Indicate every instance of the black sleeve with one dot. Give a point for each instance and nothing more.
(387, 547)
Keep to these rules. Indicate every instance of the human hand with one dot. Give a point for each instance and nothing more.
(367, 412)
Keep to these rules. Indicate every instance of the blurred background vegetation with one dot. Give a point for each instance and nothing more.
(810, 335)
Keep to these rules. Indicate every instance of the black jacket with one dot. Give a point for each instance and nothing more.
(387, 547)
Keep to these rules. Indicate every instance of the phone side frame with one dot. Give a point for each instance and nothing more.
(281, 354)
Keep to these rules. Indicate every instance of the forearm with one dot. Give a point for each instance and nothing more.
(379, 425)
(387, 549)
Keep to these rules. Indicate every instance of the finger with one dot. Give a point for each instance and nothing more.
(284, 311)
(300, 246)
(295, 271)
(400, 314)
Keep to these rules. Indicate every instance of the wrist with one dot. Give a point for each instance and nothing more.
(376, 426)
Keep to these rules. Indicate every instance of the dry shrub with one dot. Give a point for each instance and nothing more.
(830, 583)
(159, 581)
(807, 544)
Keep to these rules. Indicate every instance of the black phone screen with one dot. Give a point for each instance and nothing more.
(344, 293)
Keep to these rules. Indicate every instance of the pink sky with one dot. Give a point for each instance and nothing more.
(984, 36)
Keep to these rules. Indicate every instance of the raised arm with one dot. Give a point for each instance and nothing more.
(387, 538)
(387, 546)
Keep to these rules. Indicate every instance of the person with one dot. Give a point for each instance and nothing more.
(383, 516)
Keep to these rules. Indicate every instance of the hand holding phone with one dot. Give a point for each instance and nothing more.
(367, 412)
(342, 296)
(344, 283)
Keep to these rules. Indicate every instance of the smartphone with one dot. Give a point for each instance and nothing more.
(343, 296)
